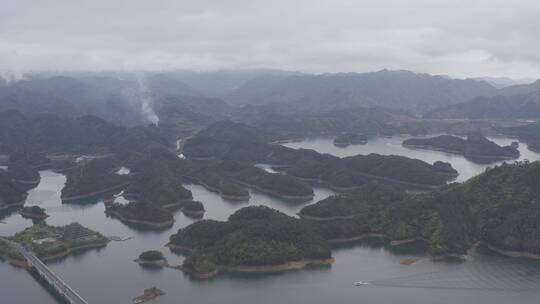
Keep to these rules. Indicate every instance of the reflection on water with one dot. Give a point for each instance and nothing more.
(393, 146)
(109, 275)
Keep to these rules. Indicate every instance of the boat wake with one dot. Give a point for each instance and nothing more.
(488, 276)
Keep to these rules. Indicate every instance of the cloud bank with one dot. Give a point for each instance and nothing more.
(454, 37)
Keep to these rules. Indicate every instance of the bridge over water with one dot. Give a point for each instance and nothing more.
(55, 282)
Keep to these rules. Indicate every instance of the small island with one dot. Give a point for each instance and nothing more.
(347, 139)
(193, 209)
(52, 242)
(33, 212)
(152, 258)
(141, 213)
(445, 168)
(148, 294)
(254, 239)
(476, 147)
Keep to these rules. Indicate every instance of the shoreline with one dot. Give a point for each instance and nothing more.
(302, 198)
(92, 194)
(193, 213)
(437, 257)
(397, 243)
(177, 205)
(13, 262)
(493, 158)
(218, 191)
(158, 263)
(287, 266)
(324, 219)
(32, 183)
(407, 185)
(63, 254)
(16, 204)
(512, 253)
(364, 236)
(178, 247)
(292, 265)
(141, 222)
(33, 216)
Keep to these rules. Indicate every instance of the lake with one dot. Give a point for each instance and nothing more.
(109, 275)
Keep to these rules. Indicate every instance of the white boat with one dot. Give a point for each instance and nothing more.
(360, 283)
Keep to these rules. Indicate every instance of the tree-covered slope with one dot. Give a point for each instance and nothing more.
(499, 207)
(253, 236)
(475, 147)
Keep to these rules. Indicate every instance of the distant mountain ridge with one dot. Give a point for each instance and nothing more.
(403, 90)
(292, 104)
(503, 82)
(524, 106)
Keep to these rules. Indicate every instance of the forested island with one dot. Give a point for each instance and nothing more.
(141, 213)
(475, 147)
(193, 209)
(53, 242)
(33, 212)
(152, 258)
(253, 239)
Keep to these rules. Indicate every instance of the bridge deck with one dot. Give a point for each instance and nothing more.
(51, 277)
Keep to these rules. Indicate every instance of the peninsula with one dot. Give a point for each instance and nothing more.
(451, 220)
(94, 178)
(476, 147)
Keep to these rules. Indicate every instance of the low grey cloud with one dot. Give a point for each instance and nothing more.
(455, 37)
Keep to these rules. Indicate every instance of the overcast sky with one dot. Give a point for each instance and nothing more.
(460, 38)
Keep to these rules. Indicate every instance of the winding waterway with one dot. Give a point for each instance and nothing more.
(393, 146)
(109, 275)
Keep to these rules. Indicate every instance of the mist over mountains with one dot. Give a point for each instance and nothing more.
(183, 102)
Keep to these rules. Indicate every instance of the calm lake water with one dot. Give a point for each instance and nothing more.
(109, 275)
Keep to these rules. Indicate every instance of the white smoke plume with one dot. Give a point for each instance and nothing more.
(144, 95)
(10, 77)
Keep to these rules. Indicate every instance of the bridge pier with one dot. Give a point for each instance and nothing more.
(51, 289)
